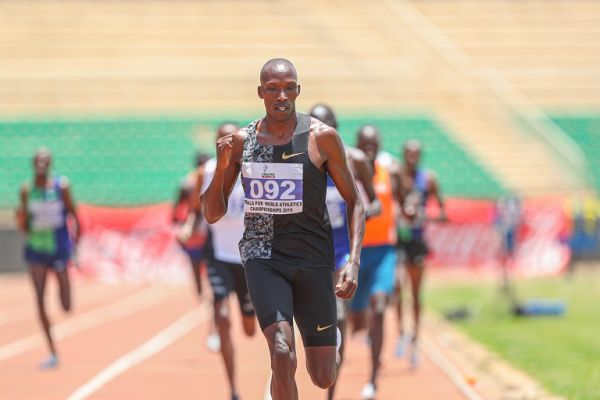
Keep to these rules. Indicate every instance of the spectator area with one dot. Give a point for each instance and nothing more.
(585, 130)
(141, 160)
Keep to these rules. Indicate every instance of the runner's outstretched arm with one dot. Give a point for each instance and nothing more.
(435, 191)
(332, 149)
(214, 199)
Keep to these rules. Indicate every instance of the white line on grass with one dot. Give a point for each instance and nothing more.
(159, 342)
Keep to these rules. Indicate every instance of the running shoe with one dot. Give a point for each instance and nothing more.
(414, 355)
(213, 342)
(401, 344)
(369, 391)
(50, 363)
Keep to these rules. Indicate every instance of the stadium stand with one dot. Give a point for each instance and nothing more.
(140, 161)
(126, 58)
(585, 130)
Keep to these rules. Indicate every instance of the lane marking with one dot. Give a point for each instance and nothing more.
(159, 342)
(442, 362)
(136, 302)
(92, 294)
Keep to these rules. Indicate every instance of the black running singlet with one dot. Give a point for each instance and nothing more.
(285, 214)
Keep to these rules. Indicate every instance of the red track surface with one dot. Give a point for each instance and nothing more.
(109, 322)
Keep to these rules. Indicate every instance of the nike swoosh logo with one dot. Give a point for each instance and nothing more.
(286, 156)
(322, 328)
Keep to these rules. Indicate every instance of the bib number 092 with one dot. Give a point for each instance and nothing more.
(272, 190)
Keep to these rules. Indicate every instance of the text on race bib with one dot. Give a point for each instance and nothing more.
(46, 214)
(272, 188)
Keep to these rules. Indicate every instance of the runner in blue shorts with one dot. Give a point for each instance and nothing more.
(42, 216)
(378, 258)
(192, 232)
(336, 207)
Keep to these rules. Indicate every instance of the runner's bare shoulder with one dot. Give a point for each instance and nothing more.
(319, 129)
(356, 155)
(326, 139)
(63, 182)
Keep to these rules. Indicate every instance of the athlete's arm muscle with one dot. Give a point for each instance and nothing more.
(196, 206)
(364, 173)
(178, 200)
(332, 150)
(214, 199)
(21, 212)
(195, 210)
(400, 190)
(70, 206)
(435, 192)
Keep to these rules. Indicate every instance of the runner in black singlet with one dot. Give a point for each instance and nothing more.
(287, 248)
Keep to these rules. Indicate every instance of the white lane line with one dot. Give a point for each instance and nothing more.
(442, 362)
(138, 301)
(159, 342)
(95, 294)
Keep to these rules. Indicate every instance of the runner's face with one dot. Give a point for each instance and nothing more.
(279, 91)
(370, 146)
(324, 115)
(41, 164)
(412, 157)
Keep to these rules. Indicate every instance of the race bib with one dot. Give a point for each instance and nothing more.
(272, 188)
(46, 215)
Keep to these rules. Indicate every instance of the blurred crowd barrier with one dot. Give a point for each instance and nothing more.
(138, 243)
(132, 244)
(471, 238)
(584, 237)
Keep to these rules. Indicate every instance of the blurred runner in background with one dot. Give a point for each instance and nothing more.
(45, 208)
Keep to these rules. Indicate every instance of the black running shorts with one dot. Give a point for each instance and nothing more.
(282, 291)
(415, 251)
(226, 277)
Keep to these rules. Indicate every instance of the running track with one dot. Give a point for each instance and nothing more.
(147, 341)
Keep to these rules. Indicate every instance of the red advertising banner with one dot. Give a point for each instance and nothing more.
(131, 244)
(138, 244)
(542, 248)
(470, 238)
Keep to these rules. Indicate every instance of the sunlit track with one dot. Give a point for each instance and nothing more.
(151, 344)
(82, 297)
(18, 289)
(112, 311)
(162, 340)
(26, 323)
